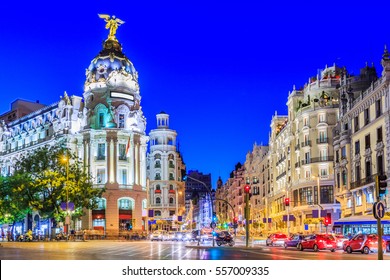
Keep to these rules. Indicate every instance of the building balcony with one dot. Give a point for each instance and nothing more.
(363, 182)
(171, 191)
(317, 159)
(157, 191)
(322, 140)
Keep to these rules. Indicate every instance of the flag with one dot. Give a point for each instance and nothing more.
(128, 147)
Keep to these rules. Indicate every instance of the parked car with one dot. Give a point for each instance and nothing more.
(276, 239)
(340, 240)
(364, 243)
(318, 242)
(293, 241)
(159, 235)
(386, 237)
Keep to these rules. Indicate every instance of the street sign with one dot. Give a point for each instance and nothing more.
(378, 210)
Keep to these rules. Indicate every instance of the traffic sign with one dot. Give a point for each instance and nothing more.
(378, 210)
(213, 225)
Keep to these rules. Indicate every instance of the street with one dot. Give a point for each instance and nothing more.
(147, 250)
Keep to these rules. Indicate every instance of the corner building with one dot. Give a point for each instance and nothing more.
(105, 128)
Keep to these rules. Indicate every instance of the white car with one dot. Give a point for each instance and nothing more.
(159, 235)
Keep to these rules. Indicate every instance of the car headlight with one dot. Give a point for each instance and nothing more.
(160, 235)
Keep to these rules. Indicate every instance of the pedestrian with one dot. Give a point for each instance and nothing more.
(84, 234)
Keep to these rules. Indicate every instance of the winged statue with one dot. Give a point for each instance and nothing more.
(112, 24)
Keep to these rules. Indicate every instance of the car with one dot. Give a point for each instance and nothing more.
(276, 239)
(318, 242)
(159, 235)
(364, 243)
(293, 241)
(340, 240)
(180, 236)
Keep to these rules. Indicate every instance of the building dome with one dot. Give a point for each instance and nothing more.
(110, 59)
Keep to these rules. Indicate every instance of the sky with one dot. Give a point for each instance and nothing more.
(219, 69)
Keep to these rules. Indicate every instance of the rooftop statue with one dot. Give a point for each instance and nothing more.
(112, 24)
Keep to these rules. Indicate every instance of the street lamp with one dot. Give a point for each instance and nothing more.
(65, 159)
(247, 190)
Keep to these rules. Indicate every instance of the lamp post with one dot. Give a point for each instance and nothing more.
(65, 159)
(247, 189)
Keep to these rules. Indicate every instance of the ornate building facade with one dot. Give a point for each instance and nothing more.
(104, 127)
(361, 141)
(165, 169)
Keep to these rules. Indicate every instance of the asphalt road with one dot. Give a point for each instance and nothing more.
(147, 250)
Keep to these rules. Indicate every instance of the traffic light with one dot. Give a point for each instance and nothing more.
(247, 189)
(328, 219)
(286, 201)
(382, 184)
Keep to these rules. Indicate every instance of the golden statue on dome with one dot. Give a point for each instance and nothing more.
(112, 24)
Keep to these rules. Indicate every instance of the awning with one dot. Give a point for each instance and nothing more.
(361, 220)
(124, 217)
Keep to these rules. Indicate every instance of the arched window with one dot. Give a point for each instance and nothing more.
(171, 187)
(157, 156)
(157, 213)
(171, 200)
(158, 200)
(101, 204)
(158, 187)
(125, 204)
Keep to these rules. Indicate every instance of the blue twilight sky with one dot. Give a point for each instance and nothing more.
(220, 70)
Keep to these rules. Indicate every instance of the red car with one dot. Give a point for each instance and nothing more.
(276, 239)
(318, 242)
(364, 243)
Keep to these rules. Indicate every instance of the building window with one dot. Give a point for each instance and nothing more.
(306, 196)
(368, 141)
(349, 203)
(379, 135)
(125, 204)
(326, 194)
(356, 121)
(370, 197)
(321, 118)
(324, 172)
(121, 121)
(337, 156)
(379, 162)
(357, 147)
(378, 108)
(122, 151)
(366, 116)
(358, 199)
(101, 176)
(305, 122)
(158, 200)
(123, 176)
(357, 173)
(101, 151)
(101, 204)
(157, 213)
(157, 177)
(344, 177)
(101, 120)
(343, 153)
(368, 169)
(171, 201)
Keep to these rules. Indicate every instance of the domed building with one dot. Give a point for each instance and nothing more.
(105, 128)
